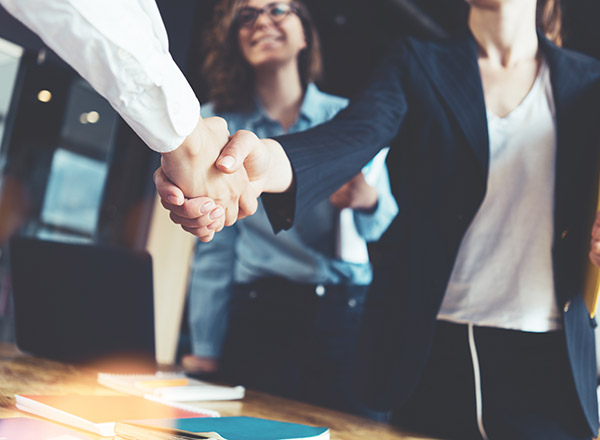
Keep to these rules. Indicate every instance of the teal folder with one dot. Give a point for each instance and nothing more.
(228, 428)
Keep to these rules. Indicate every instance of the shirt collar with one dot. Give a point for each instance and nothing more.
(308, 110)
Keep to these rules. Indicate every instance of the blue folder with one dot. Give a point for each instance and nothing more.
(229, 428)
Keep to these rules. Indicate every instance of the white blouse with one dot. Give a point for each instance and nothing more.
(503, 273)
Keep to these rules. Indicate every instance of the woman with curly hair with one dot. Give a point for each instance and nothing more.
(289, 304)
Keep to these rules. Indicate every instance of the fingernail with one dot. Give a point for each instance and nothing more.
(227, 162)
(174, 200)
(208, 206)
(217, 213)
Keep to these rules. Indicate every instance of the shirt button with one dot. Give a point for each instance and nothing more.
(351, 303)
(320, 290)
(567, 306)
(253, 294)
(564, 234)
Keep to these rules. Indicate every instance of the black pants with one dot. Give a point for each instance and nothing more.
(296, 340)
(526, 387)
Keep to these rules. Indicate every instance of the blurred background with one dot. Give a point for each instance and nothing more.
(71, 170)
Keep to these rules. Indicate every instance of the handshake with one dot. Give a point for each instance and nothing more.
(213, 179)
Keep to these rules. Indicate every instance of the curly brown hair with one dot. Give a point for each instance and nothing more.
(229, 77)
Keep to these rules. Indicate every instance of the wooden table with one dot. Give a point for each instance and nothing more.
(22, 374)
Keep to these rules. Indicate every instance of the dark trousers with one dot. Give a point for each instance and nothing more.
(296, 340)
(527, 391)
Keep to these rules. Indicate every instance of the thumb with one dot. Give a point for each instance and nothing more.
(236, 151)
(167, 191)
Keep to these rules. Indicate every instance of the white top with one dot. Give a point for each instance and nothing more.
(121, 48)
(503, 274)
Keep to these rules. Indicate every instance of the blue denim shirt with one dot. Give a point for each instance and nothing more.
(250, 250)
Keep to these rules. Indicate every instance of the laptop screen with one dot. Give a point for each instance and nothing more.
(81, 302)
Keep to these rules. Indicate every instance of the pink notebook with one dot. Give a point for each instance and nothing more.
(21, 428)
(98, 414)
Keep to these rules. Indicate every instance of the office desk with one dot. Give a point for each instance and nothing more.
(22, 374)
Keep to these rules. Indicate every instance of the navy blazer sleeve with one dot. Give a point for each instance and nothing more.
(325, 157)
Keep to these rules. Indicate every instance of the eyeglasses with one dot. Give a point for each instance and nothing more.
(277, 12)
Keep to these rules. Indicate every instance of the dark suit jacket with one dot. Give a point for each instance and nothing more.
(426, 101)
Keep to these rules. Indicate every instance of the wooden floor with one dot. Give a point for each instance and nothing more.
(21, 374)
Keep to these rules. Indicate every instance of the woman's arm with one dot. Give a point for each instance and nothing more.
(325, 157)
(301, 169)
(372, 225)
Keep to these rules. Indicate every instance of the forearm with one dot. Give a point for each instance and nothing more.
(180, 163)
(327, 156)
(371, 226)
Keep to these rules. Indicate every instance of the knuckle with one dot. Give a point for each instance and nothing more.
(191, 211)
(175, 218)
(245, 134)
(206, 238)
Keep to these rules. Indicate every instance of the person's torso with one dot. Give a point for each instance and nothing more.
(306, 252)
(438, 166)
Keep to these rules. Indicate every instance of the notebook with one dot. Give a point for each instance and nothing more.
(98, 414)
(169, 386)
(81, 303)
(222, 428)
(21, 428)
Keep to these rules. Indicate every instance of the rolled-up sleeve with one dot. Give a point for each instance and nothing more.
(372, 225)
(121, 48)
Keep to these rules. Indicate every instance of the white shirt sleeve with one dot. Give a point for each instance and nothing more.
(121, 48)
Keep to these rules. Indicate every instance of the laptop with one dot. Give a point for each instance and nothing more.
(83, 303)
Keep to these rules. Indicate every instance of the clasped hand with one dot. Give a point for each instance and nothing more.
(213, 179)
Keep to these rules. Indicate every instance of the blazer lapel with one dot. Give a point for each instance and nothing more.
(452, 69)
(571, 76)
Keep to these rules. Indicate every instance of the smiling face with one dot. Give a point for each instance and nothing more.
(269, 44)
